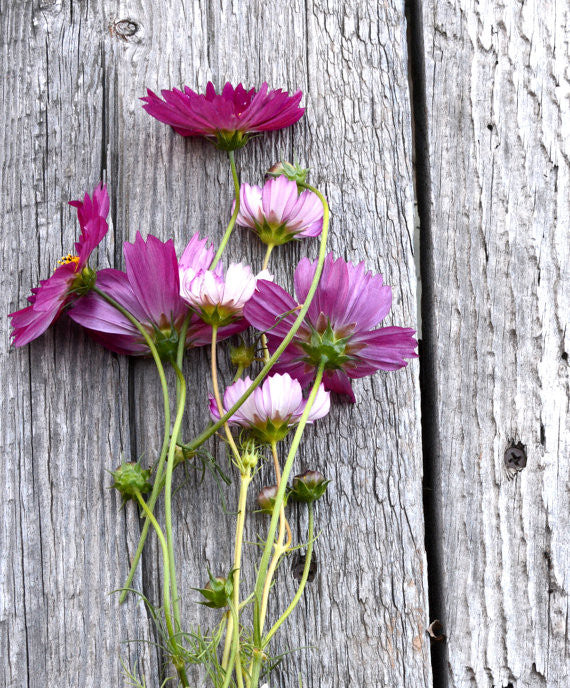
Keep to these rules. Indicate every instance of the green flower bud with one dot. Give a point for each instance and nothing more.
(249, 456)
(308, 487)
(242, 356)
(130, 478)
(218, 591)
(266, 499)
(294, 172)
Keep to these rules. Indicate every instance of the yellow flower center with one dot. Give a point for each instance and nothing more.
(65, 260)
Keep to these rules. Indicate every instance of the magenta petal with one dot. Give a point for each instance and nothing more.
(385, 349)
(266, 308)
(152, 269)
(92, 215)
(338, 381)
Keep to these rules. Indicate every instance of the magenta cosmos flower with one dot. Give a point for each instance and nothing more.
(226, 118)
(273, 408)
(348, 303)
(149, 289)
(277, 212)
(71, 279)
(218, 299)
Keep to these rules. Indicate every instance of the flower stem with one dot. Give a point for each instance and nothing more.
(180, 354)
(208, 432)
(240, 524)
(166, 587)
(263, 566)
(302, 584)
(218, 398)
(280, 548)
(168, 491)
(233, 218)
(270, 248)
(166, 401)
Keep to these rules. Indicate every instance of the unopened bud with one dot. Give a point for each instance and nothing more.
(242, 356)
(218, 591)
(266, 499)
(294, 172)
(130, 479)
(308, 487)
(249, 456)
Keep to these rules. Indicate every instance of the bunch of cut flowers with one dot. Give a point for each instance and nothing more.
(297, 349)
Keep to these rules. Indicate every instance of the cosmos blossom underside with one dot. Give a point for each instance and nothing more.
(348, 303)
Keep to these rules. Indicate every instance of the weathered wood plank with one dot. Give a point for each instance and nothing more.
(366, 612)
(498, 109)
(65, 418)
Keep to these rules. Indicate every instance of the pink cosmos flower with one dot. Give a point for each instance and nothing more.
(217, 299)
(348, 303)
(71, 279)
(274, 407)
(226, 118)
(150, 291)
(278, 213)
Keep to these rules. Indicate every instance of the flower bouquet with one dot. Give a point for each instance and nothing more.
(298, 350)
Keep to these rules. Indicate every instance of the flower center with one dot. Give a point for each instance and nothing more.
(65, 260)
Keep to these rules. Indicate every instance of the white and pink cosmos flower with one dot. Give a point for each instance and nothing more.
(273, 408)
(278, 213)
(217, 298)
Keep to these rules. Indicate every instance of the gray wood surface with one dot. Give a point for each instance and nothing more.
(498, 115)
(73, 74)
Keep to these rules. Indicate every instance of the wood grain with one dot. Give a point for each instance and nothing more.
(498, 108)
(75, 73)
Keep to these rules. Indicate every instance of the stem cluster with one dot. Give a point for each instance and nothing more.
(241, 661)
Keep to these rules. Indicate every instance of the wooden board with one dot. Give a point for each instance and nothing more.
(498, 111)
(73, 78)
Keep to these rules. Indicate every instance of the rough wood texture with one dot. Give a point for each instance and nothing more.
(498, 109)
(74, 73)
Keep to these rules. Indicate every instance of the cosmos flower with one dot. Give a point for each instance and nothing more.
(348, 303)
(219, 299)
(278, 213)
(274, 407)
(150, 291)
(226, 118)
(71, 279)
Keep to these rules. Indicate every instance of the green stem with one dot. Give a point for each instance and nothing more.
(270, 248)
(240, 524)
(168, 491)
(234, 214)
(229, 668)
(264, 564)
(180, 353)
(302, 584)
(166, 587)
(208, 432)
(157, 481)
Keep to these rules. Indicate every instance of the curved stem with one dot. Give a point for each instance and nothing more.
(218, 398)
(233, 218)
(168, 491)
(244, 485)
(263, 566)
(166, 587)
(166, 401)
(302, 584)
(232, 660)
(180, 354)
(208, 432)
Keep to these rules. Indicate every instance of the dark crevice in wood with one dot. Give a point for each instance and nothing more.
(427, 343)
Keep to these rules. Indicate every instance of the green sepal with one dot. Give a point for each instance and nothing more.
(218, 591)
(308, 487)
(130, 478)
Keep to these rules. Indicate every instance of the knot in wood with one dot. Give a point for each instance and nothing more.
(125, 28)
